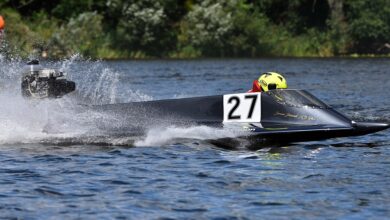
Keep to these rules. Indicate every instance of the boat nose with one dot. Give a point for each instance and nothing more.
(370, 127)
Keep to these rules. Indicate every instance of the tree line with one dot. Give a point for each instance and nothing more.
(195, 28)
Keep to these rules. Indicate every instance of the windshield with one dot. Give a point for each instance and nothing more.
(296, 98)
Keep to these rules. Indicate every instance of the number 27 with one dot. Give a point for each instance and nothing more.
(235, 99)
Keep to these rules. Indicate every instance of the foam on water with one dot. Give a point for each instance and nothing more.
(31, 121)
(371, 116)
(49, 121)
(17, 125)
(24, 121)
(167, 135)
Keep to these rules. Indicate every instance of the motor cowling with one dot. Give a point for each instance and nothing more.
(38, 82)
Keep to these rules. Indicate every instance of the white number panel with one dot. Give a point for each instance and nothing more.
(243, 107)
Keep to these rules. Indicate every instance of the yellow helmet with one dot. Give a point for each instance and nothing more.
(272, 80)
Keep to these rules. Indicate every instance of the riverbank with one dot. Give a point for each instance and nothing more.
(189, 29)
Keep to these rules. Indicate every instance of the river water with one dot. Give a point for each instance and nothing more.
(65, 172)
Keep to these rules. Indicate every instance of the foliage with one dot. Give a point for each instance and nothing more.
(81, 34)
(209, 23)
(250, 32)
(143, 26)
(19, 39)
(196, 28)
(369, 24)
(221, 29)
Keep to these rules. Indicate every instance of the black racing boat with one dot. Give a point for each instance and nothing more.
(276, 116)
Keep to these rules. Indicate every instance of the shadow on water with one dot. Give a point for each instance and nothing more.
(54, 149)
(235, 144)
(223, 144)
(368, 145)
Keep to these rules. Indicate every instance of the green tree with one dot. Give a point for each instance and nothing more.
(207, 25)
(143, 26)
(20, 39)
(82, 34)
(231, 28)
(369, 24)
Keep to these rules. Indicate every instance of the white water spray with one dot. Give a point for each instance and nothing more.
(33, 121)
(167, 135)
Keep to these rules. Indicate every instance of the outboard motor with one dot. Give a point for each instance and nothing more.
(38, 82)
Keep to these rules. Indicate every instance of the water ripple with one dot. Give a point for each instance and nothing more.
(87, 174)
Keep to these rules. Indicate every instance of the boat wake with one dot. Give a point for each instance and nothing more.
(65, 121)
(172, 134)
(59, 121)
